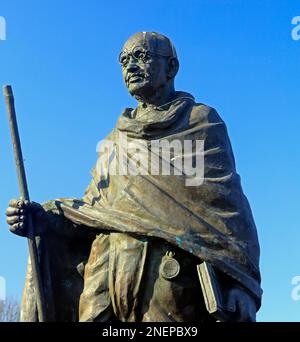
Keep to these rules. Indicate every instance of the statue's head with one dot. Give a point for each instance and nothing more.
(149, 64)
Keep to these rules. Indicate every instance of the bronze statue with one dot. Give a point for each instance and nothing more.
(129, 249)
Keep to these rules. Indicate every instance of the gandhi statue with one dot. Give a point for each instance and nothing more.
(128, 250)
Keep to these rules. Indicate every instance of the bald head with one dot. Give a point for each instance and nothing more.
(153, 42)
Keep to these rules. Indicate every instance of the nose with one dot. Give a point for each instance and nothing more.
(132, 66)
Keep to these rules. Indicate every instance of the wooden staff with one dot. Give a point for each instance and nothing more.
(33, 253)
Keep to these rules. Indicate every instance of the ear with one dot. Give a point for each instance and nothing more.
(173, 66)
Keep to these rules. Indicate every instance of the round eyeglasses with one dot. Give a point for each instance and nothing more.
(139, 54)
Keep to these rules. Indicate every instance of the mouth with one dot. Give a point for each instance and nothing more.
(135, 78)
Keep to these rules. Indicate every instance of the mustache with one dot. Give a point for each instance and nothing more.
(139, 74)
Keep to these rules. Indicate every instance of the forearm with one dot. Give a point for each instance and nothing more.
(54, 222)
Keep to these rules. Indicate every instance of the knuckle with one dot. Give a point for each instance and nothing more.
(13, 203)
(11, 211)
(13, 227)
(20, 204)
(10, 219)
(22, 218)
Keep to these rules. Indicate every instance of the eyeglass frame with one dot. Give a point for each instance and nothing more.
(147, 52)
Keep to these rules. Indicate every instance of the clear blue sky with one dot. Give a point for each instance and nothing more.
(237, 56)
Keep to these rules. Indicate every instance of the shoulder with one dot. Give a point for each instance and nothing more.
(205, 114)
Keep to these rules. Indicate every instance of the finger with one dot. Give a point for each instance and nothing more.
(15, 219)
(12, 211)
(22, 218)
(11, 220)
(23, 204)
(19, 203)
(16, 203)
(18, 229)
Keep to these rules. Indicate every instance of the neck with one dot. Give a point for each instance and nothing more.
(160, 97)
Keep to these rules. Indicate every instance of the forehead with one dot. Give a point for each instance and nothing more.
(132, 42)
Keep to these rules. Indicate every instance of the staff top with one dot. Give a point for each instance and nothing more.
(7, 90)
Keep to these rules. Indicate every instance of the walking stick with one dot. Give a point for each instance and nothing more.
(40, 299)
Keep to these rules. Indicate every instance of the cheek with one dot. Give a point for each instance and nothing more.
(154, 75)
(146, 69)
(124, 74)
(158, 77)
(159, 73)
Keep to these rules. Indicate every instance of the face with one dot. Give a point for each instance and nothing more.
(144, 73)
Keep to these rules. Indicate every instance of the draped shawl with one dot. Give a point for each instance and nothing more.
(212, 220)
